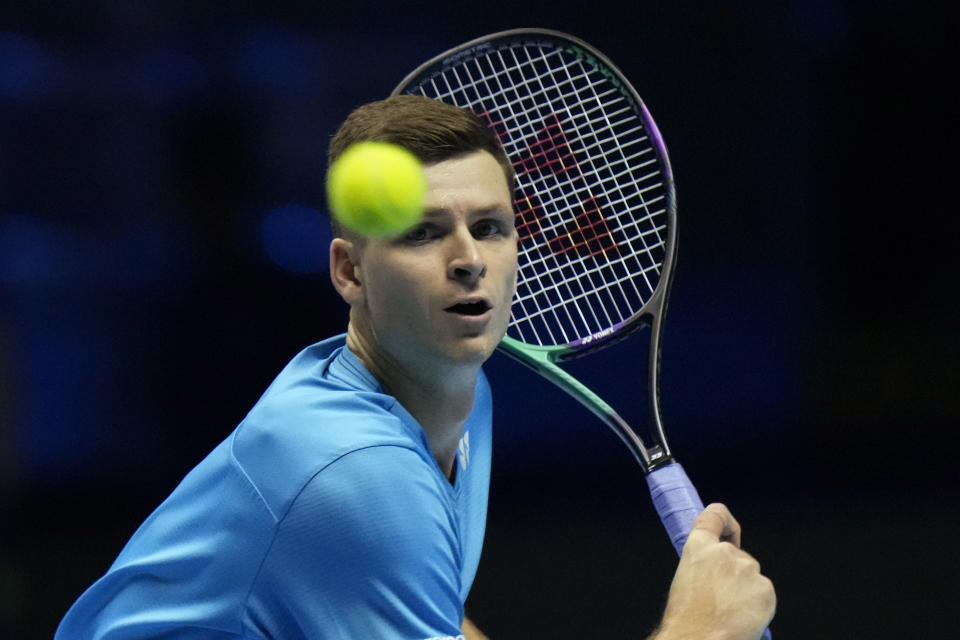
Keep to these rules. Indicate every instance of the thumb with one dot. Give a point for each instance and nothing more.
(715, 524)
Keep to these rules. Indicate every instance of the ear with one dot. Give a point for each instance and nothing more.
(344, 270)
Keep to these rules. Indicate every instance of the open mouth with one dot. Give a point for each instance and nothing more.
(477, 308)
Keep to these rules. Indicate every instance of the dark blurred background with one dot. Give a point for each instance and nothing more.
(162, 256)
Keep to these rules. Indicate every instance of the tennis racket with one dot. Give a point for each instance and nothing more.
(595, 213)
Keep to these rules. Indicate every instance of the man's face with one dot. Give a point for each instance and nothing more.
(440, 293)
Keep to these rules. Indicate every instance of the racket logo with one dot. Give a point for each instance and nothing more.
(587, 233)
(550, 153)
(467, 54)
(592, 61)
(596, 336)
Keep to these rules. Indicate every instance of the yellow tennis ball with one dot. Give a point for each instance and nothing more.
(376, 188)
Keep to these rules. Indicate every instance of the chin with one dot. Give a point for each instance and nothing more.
(473, 350)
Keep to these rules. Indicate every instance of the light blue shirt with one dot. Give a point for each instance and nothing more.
(323, 515)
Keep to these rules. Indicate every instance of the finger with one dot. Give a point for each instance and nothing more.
(731, 532)
(717, 523)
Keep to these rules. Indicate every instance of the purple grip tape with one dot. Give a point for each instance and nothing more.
(678, 505)
(676, 501)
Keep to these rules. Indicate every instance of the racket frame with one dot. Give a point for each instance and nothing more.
(674, 496)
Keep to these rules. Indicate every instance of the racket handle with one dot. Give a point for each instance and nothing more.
(675, 500)
(678, 505)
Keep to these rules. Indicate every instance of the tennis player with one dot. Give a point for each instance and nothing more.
(351, 501)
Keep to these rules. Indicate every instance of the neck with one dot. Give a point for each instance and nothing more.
(440, 397)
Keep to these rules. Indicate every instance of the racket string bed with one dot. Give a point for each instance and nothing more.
(550, 91)
(557, 193)
(572, 198)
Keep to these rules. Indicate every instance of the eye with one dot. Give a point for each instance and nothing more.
(421, 233)
(488, 228)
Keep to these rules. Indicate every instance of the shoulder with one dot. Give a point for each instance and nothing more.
(307, 420)
(281, 454)
(373, 508)
(387, 493)
(367, 549)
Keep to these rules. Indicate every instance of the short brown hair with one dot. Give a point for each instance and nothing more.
(432, 130)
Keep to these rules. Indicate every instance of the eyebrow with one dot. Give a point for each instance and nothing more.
(493, 209)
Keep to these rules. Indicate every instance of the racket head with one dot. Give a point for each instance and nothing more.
(594, 197)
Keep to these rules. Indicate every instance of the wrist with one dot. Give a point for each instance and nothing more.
(680, 631)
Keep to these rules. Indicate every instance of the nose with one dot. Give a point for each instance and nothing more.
(466, 263)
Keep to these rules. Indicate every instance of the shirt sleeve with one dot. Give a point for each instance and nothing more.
(368, 549)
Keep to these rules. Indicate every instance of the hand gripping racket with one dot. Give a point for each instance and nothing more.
(596, 217)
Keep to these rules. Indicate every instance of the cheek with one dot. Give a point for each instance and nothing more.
(511, 273)
(397, 293)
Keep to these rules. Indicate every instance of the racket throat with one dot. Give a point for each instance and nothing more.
(657, 458)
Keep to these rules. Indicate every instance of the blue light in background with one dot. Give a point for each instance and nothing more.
(29, 251)
(296, 237)
(24, 66)
(66, 368)
(279, 60)
(141, 254)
